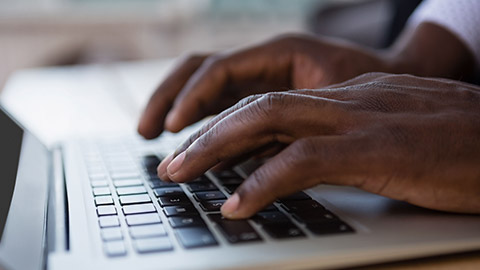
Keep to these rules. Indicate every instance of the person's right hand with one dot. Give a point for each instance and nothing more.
(202, 85)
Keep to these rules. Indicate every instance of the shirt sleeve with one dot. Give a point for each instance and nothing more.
(461, 17)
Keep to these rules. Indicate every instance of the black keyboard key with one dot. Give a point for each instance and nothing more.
(320, 215)
(131, 190)
(329, 227)
(298, 196)
(174, 199)
(162, 184)
(230, 188)
(211, 206)
(226, 174)
(139, 209)
(270, 207)
(155, 244)
(165, 191)
(146, 231)
(132, 199)
(282, 230)
(180, 210)
(304, 206)
(201, 186)
(270, 217)
(195, 237)
(150, 163)
(143, 219)
(235, 231)
(186, 221)
(209, 195)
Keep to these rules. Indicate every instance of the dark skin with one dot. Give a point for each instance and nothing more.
(397, 136)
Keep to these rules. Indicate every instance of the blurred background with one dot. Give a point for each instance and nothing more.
(36, 33)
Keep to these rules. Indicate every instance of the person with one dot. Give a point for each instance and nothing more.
(406, 131)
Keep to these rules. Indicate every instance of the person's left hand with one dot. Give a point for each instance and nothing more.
(404, 137)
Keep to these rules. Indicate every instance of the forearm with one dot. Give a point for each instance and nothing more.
(430, 51)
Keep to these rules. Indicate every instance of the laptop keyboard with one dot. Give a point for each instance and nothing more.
(133, 203)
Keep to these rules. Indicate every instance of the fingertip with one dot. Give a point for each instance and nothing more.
(230, 208)
(148, 129)
(172, 123)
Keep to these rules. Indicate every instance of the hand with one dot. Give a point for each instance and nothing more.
(404, 137)
(207, 84)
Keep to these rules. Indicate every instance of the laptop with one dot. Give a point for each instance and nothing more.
(97, 203)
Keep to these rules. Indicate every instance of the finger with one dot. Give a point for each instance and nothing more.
(254, 126)
(206, 85)
(162, 167)
(152, 120)
(338, 160)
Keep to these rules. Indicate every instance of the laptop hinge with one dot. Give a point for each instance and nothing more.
(57, 231)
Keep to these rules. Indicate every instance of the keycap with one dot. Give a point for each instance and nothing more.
(103, 200)
(111, 234)
(143, 219)
(105, 210)
(226, 174)
(195, 237)
(298, 196)
(314, 216)
(101, 191)
(131, 190)
(115, 248)
(282, 230)
(211, 206)
(150, 160)
(235, 231)
(124, 175)
(308, 205)
(160, 184)
(131, 199)
(165, 191)
(174, 199)
(108, 221)
(270, 217)
(145, 231)
(99, 183)
(329, 227)
(139, 208)
(155, 244)
(186, 221)
(230, 188)
(209, 195)
(201, 186)
(180, 210)
(127, 182)
(97, 176)
(150, 163)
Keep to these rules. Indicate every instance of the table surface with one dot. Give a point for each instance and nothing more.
(139, 80)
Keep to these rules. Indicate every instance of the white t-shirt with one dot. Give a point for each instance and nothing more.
(461, 17)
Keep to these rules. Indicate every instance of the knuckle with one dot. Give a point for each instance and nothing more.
(215, 62)
(271, 104)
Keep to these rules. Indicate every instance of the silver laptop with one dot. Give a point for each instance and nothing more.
(98, 204)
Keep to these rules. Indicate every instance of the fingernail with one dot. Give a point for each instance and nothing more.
(162, 168)
(230, 206)
(175, 165)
